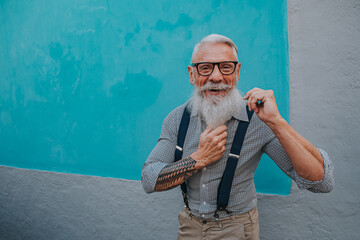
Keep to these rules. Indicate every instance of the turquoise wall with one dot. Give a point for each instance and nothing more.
(85, 85)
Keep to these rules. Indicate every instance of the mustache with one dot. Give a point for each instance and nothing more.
(214, 86)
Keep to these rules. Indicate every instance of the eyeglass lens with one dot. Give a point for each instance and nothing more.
(224, 67)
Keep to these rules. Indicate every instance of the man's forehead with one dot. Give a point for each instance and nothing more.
(214, 52)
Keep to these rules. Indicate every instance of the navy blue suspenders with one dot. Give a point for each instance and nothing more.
(184, 124)
(227, 178)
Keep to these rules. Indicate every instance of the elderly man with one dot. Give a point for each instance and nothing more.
(212, 145)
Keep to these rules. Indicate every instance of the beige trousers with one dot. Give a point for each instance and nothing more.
(243, 226)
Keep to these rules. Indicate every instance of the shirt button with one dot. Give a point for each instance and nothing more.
(204, 168)
(202, 215)
(203, 185)
(204, 203)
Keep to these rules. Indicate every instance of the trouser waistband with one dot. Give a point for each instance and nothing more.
(225, 219)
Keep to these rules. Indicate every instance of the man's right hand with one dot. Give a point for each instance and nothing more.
(211, 146)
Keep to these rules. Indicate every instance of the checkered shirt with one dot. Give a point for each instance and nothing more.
(202, 186)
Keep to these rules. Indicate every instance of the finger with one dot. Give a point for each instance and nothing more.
(220, 137)
(251, 93)
(217, 131)
(221, 144)
(253, 102)
(248, 94)
(250, 102)
(256, 99)
(207, 130)
(223, 136)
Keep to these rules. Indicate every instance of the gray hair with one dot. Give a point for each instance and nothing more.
(215, 38)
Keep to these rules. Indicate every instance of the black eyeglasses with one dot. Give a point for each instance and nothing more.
(206, 68)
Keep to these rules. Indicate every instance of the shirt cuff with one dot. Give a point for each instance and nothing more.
(150, 175)
(324, 185)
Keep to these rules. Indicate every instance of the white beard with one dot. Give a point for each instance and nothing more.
(216, 110)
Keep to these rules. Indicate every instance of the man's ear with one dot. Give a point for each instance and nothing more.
(190, 70)
(238, 70)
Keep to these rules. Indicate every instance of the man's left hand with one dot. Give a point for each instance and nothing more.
(263, 103)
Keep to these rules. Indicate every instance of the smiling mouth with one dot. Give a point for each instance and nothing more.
(215, 90)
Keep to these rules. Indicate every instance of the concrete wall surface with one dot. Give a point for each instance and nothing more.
(324, 89)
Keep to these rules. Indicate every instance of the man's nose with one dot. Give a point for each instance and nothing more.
(216, 75)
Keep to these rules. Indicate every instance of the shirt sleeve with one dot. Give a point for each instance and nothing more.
(161, 155)
(280, 157)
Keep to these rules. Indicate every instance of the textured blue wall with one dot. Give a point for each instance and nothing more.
(85, 85)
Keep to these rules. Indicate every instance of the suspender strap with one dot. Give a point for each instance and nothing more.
(227, 178)
(184, 124)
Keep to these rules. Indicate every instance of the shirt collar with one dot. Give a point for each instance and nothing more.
(240, 113)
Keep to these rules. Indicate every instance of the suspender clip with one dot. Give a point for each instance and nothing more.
(234, 155)
(186, 200)
(179, 148)
(217, 219)
(216, 216)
